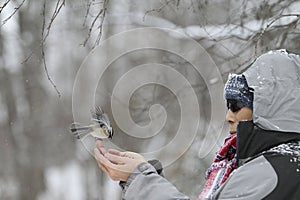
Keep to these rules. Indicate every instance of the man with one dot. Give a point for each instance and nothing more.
(260, 159)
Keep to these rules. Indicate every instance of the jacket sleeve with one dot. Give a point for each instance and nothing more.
(254, 180)
(145, 183)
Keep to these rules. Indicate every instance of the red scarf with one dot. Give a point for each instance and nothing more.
(224, 163)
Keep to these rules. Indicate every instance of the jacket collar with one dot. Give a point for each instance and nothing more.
(252, 140)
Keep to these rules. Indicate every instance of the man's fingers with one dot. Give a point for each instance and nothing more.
(117, 159)
(97, 154)
(100, 146)
(122, 154)
(99, 143)
(102, 160)
(114, 152)
(125, 154)
(103, 168)
(96, 151)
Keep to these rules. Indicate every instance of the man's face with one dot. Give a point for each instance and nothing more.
(233, 118)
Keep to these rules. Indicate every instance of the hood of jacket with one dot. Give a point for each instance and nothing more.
(275, 78)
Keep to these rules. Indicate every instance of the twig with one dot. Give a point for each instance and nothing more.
(54, 15)
(27, 58)
(101, 23)
(87, 11)
(270, 24)
(158, 9)
(44, 37)
(43, 51)
(100, 27)
(3, 6)
(91, 27)
(16, 10)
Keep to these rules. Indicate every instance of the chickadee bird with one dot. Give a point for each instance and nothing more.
(99, 129)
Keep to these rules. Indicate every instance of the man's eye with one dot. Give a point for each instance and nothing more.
(233, 106)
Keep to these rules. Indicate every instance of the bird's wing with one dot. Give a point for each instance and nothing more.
(100, 117)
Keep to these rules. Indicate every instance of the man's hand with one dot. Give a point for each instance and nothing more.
(118, 165)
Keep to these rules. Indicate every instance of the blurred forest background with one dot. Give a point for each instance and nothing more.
(42, 45)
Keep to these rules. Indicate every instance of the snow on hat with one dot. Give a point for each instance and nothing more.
(236, 88)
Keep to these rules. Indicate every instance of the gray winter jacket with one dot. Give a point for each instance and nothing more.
(268, 148)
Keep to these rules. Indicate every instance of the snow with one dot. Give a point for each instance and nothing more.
(64, 183)
(69, 182)
(197, 31)
(292, 149)
(8, 187)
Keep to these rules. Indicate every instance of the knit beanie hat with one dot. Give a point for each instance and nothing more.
(236, 88)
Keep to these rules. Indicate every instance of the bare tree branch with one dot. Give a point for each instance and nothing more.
(100, 16)
(101, 23)
(59, 5)
(271, 23)
(27, 58)
(43, 50)
(160, 8)
(4, 4)
(92, 26)
(88, 7)
(15, 11)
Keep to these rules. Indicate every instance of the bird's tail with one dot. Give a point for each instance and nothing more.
(79, 131)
